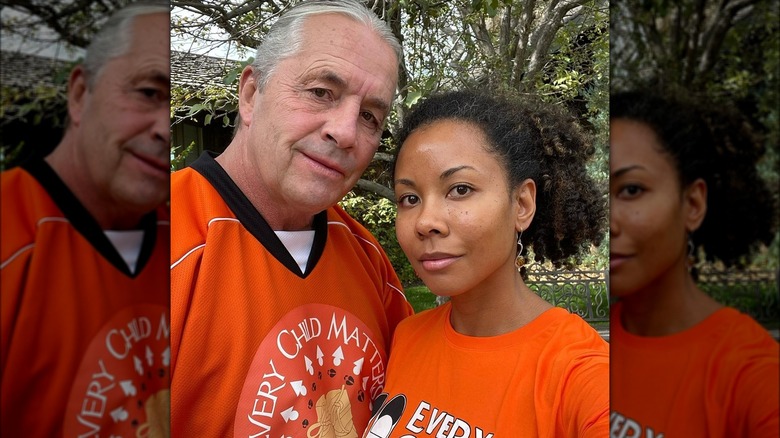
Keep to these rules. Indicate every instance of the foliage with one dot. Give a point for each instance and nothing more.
(555, 48)
(725, 50)
(40, 105)
(758, 298)
(377, 214)
(73, 21)
(420, 297)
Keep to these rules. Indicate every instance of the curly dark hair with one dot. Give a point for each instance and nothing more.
(717, 145)
(538, 141)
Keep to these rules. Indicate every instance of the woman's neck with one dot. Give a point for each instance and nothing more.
(670, 304)
(497, 306)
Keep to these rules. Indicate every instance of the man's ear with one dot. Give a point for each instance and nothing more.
(247, 87)
(524, 200)
(77, 94)
(695, 204)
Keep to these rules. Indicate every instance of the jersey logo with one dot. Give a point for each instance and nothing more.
(122, 388)
(313, 375)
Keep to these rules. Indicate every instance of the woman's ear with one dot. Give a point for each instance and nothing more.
(695, 204)
(247, 87)
(524, 199)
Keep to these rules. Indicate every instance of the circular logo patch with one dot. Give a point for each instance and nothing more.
(314, 375)
(122, 386)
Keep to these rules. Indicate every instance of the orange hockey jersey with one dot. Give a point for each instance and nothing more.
(717, 379)
(549, 378)
(85, 347)
(259, 347)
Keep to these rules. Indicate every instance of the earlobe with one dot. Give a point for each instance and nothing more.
(246, 94)
(695, 204)
(524, 198)
(77, 90)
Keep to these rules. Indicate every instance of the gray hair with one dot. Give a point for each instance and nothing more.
(114, 38)
(286, 35)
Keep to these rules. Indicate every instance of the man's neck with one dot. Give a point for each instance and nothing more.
(275, 212)
(110, 216)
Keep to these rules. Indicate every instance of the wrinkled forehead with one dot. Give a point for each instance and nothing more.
(342, 32)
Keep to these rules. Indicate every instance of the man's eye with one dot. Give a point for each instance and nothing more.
(149, 92)
(319, 92)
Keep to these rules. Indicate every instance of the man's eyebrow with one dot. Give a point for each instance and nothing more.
(379, 104)
(155, 75)
(332, 78)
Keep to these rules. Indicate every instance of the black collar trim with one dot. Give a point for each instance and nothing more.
(254, 222)
(86, 225)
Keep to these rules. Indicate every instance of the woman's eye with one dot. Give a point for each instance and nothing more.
(408, 200)
(631, 190)
(461, 190)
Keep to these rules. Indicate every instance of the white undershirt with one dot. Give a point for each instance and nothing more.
(128, 244)
(299, 244)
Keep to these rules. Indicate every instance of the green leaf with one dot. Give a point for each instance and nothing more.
(413, 97)
(231, 77)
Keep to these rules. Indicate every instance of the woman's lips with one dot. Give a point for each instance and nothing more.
(617, 260)
(438, 263)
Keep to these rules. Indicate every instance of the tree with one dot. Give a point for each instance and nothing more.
(37, 97)
(556, 48)
(73, 22)
(726, 51)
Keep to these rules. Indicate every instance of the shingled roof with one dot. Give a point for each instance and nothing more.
(198, 71)
(24, 70)
(187, 69)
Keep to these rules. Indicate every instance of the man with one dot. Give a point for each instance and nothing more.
(283, 307)
(83, 260)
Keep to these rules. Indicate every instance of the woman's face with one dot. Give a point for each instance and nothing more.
(649, 215)
(456, 217)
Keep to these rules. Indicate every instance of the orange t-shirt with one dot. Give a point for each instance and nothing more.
(259, 347)
(716, 379)
(549, 378)
(85, 347)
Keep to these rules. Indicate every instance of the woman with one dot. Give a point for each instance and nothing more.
(478, 180)
(683, 179)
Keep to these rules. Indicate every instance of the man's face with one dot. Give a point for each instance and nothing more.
(315, 126)
(123, 122)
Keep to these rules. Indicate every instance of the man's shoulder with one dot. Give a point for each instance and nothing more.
(184, 179)
(24, 199)
(340, 221)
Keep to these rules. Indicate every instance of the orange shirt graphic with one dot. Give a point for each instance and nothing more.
(717, 379)
(259, 347)
(549, 378)
(85, 347)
